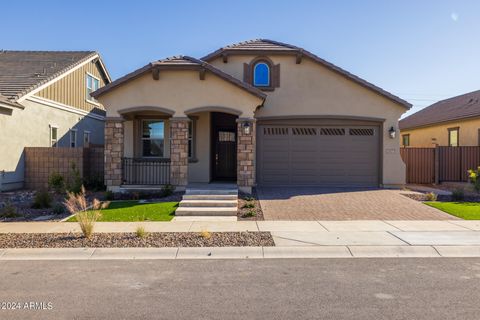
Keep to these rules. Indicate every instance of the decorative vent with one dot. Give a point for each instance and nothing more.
(275, 131)
(332, 132)
(361, 132)
(304, 131)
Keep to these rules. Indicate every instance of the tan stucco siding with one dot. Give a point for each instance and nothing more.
(310, 89)
(200, 171)
(179, 91)
(426, 136)
(30, 127)
(72, 89)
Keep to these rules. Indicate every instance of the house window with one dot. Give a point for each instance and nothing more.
(153, 138)
(191, 139)
(53, 136)
(86, 138)
(261, 74)
(73, 138)
(453, 134)
(406, 140)
(92, 85)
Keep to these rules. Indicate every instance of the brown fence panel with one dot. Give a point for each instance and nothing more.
(420, 163)
(470, 159)
(449, 159)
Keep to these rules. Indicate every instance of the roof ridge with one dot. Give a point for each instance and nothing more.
(48, 51)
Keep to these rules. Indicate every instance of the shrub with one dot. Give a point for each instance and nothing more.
(42, 200)
(250, 213)
(8, 211)
(473, 176)
(105, 204)
(56, 182)
(458, 195)
(77, 205)
(167, 190)
(75, 182)
(94, 183)
(249, 205)
(249, 198)
(109, 196)
(205, 234)
(431, 196)
(141, 233)
(58, 208)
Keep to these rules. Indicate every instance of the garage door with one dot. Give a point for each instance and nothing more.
(318, 155)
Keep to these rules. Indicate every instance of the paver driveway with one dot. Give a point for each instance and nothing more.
(313, 203)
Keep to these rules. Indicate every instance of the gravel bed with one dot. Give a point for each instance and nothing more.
(123, 240)
(243, 212)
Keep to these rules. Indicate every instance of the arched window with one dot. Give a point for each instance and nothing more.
(261, 74)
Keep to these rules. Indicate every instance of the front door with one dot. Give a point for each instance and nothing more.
(224, 146)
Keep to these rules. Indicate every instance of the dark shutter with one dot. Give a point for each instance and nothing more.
(247, 76)
(276, 76)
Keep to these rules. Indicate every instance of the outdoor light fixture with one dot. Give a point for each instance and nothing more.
(392, 132)
(246, 127)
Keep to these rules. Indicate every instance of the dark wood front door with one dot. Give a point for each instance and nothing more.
(224, 147)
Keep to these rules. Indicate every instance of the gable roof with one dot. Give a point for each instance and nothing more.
(24, 71)
(180, 63)
(267, 46)
(460, 107)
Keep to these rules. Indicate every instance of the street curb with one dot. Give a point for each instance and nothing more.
(209, 253)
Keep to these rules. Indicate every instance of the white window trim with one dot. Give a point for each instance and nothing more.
(52, 126)
(254, 73)
(89, 136)
(76, 137)
(93, 101)
(142, 139)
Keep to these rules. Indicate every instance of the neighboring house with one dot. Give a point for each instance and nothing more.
(451, 122)
(259, 112)
(45, 102)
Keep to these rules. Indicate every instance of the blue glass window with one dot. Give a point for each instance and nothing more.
(261, 75)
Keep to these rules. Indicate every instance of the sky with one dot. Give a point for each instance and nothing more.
(422, 51)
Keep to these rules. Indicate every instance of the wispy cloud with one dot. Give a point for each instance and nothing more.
(454, 16)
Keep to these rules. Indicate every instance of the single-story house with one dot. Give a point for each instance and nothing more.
(258, 112)
(451, 122)
(45, 102)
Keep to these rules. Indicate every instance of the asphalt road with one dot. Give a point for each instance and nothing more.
(437, 288)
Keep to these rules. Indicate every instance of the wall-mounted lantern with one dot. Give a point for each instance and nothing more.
(392, 132)
(246, 127)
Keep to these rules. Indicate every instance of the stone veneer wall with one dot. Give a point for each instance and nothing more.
(113, 153)
(246, 156)
(179, 152)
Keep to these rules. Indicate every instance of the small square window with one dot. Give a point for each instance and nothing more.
(453, 137)
(86, 138)
(53, 136)
(406, 140)
(92, 85)
(73, 138)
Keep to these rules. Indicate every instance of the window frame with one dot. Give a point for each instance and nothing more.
(52, 143)
(407, 136)
(88, 97)
(450, 130)
(88, 134)
(269, 75)
(74, 144)
(142, 121)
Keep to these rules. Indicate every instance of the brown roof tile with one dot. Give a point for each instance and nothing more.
(276, 47)
(455, 108)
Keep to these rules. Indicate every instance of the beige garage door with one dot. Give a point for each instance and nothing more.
(318, 155)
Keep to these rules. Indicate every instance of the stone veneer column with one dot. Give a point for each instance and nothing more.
(246, 155)
(113, 153)
(179, 152)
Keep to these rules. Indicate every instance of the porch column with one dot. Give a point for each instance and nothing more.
(246, 154)
(179, 151)
(113, 153)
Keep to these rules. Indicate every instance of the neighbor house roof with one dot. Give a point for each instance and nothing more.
(24, 71)
(266, 46)
(180, 63)
(456, 108)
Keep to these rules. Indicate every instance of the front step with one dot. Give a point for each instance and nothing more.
(206, 211)
(210, 197)
(215, 192)
(208, 203)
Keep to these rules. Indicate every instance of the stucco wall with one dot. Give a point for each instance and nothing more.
(200, 171)
(423, 137)
(30, 127)
(310, 89)
(179, 91)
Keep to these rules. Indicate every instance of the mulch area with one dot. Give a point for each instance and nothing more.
(249, 207)
(124, 240)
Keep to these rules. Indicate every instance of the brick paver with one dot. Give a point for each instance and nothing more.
(311, 203)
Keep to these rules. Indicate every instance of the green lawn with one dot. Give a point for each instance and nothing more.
(464, 210)
(134, 211)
